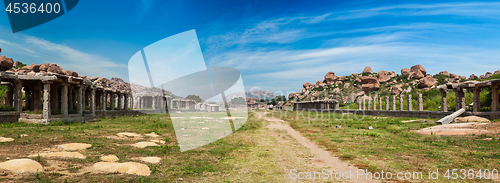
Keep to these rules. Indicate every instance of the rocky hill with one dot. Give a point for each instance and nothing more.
(348, 88)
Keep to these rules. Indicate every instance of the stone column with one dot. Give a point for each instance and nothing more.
(125, 101)
(64, 99)
(120, 101)
(84, 98)
(380, 103)
(364, 103)
(18, 96)
(37, 95)
(359, 104)
(9, 97)
(153, 102)
(92, 100)
(27, 98)
(477, 99)
(104, 99)
(394, 102)
(70, 97)
(401, 106)
(369, 103)
(46, 100)
(444, 105)
(79, 105)
(386, 103)
(420, 102)
(375, 102)
(409, 103)
(459, 99)
(112, 101)
(494, 98)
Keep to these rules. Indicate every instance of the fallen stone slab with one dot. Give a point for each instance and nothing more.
(472, 119)
(74, 146)
(127, 167)
(450, 118)
(62, 154)
(454, 129)
(153, 160)
(4, 139)
(158, 141)
(144, 144)
(109, 158)
(22, 166)
(129, 134)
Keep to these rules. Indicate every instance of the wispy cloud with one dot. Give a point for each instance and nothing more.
(29, 49)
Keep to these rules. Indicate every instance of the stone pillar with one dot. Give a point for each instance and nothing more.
(9, 97)
(153, 102)
(46, 100)
(364, 103)
(380, 103)
(459, 99)
(420, 102)
(112, 101)
(359, 104)
(444, 105)
(401, 102)
(64, 99)
(79, 100)
(18, 96)
(70, 97)
(120, 101)
(369, 103)
(125, 102)
(409, 103)
(27, 98)
(477, 99)
(37, 95)
(92, 100)
(104, 101)
(375, 102)
(84, 98)
(386, 103)
(494, 98)
(394, 102)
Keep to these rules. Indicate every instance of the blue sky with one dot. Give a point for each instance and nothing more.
(276, 45)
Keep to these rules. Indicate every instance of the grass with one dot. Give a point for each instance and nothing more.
(392, 146)
(249, 154)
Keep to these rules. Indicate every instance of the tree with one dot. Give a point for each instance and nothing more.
(195, 98)
(238, 101)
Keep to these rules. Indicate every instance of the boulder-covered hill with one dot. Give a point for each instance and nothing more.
(347, 88)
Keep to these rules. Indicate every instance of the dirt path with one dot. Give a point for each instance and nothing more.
(322, 158)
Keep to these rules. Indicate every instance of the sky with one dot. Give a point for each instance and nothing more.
(276, 45)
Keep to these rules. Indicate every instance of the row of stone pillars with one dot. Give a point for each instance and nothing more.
(362, 104)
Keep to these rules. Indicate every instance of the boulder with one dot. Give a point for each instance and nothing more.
(417, 75)
(306, 85)
(383, 76)
(72, 73)
(44, 67)
(6, 63)
(427, 82)
(405, 71)
(444, 73)
(368, 70)
(54, 68)
(463, 77)
(369, 83)
(347, 85)
(341, 78)
(488, 74)
(33, 67)
(496, 72)
(94, 78)
(354, 75)
(16, 63)
(418, 67)
(330, 78)
(392, 74)
(472, 119)
(292, 95)
(472, 76)
(103, 82)
(396, 90)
